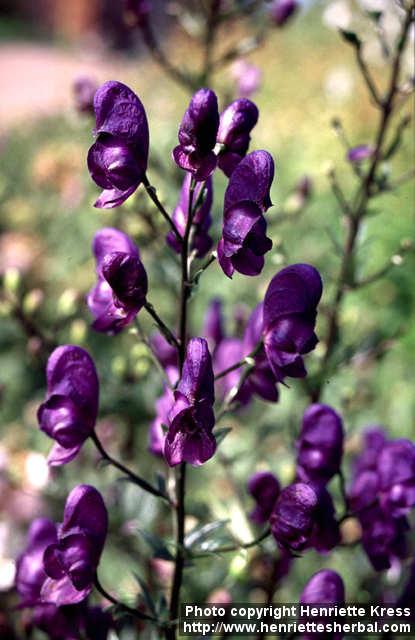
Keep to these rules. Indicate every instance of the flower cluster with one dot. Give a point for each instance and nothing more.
(382, 494)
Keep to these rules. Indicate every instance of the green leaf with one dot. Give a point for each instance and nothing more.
(150, 604)
(202, 533)
(351, 38)
(157, 545)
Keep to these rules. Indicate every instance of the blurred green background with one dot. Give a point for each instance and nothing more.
(46, 228)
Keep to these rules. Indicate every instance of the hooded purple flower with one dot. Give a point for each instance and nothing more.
(235, 126)
(84, 89)
(396, 471)
(197, 135)
(261, 380)
(289, 316)
(202, 219)
(166, 354)
(293, 517)
(191, 419)
(264, 488)
(383, 537)
(72, 561)
(30, 574)
(213, 327)
(157, 435)
(247, 76)
(70, 410)
(282, 10)
(324, 587)
(121, 288)
(244, 243)
(359, 153)
(374, 438)
(326, 530)
(117, 161)
(320, 444)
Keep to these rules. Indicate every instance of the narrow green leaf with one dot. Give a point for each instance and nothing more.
(201, 533)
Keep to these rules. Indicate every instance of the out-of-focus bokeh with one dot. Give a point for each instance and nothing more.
(308, 77)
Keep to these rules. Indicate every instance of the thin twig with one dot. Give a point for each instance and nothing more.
(168, 333)
(153, 196)
(133, 612)
(236, 547)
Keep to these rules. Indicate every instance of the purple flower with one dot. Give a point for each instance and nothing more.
(324, 587)
(197, 136)
(166, 354)
(293, 517)
(228, 352)
(396, 471)
(247, 76)
(359, 153)
(235, 126)
(383, 537)
(374, 438)
(213, 324)
(320, 444)
(117, 161)
(72, 561)
(30, 574)
(289, 317)
(121, 288)
(70, 410)
(157, 434)
(202, 197)
(84, 89)
(191, 419)
(59, 623)
(264, 488)
(326, 531)
(244, 241)
(282, 10)
(363, 491)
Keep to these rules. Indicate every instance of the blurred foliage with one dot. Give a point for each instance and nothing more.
(47, 224)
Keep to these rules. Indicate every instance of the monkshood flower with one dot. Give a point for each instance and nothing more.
(374, 439)
(293, 517)
(72, 561)
(191, 419)
(228, 351)
(396, 471)
(201, 242)
(69, 412)
(359, 153)
(213, 328)
(121, 288)
(326, 531)
(30, 574)
(383, 537)
(247, 76)
(264, 488)
(289, 316)
(282, 10)
(166, 354)
(157, 434)
(363, 491)
(84, 89)
(320, 444)
(244, 241)
(117, 161)
(235, 126)
(197, 135)
(261, 380)
(324, 587)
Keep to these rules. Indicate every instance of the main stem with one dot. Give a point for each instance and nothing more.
(181, 472)
(359, 206)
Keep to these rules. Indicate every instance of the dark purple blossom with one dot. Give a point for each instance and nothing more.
(197, 136)
(244, 241)
(201, 242)
(72, 561)
(396, 471)
(320, 444)
(69, 412)
(383, 537)
(293, 517)
(117, 161)
(247, 76)
(261, 380)
(326, 530)
(264, 488)
(374, 438)
(157, 434)
(84, 89)
(121, 288)
(228, 352)
(363, 491)
(191, 419)
(289, 316)
(324, 587)
(213, 326)
(282, 10)
(30, 574)
(359, 153)
(235, 126)
(166, 354)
